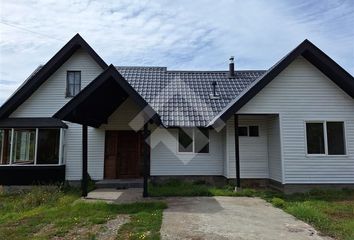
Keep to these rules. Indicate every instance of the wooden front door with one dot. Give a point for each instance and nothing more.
(123, 154)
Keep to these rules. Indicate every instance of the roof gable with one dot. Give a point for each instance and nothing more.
(40, 76)
(311, 53)
(90, 105)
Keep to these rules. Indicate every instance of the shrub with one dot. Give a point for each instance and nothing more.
(278, 202)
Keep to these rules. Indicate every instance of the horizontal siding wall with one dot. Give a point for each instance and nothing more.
(165, 160)
(274, 149)
(50, 97)
(301, 92)
(253, 150)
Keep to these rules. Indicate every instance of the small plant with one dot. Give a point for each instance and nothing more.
(278, 202)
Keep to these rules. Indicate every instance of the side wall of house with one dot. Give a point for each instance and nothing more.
(165, 159)
(50, 97)
(300, 93)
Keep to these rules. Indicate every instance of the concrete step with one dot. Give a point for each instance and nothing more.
(120, 183)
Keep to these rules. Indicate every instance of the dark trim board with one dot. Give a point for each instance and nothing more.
(31, 175)
(32, 123)
(39, 77)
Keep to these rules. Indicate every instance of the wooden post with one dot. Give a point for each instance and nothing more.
(146, 160)
(84, 161)
(237, 153)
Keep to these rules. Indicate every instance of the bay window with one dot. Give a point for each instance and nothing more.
(30, 146)
(325, 138)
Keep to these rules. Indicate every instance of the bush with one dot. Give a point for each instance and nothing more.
(278, 202)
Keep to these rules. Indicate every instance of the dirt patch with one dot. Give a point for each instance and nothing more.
(110, 229)
(80, 233)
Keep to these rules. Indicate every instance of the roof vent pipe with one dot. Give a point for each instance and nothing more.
(214, 95)
(232, 67)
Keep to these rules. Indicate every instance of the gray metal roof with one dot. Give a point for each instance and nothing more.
(182, 98)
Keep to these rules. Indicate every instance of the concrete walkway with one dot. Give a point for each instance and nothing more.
(231, 218)
(112, 195)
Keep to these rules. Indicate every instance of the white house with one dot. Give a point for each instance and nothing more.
(291, 126)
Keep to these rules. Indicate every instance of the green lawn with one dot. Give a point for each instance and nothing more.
(329, 211)
(47, 212)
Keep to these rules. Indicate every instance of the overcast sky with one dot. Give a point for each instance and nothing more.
(191, 34)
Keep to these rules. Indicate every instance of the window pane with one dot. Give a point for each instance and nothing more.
(71, 90)
(5, 146)
(315, 138)
(185, 140)
(24, 145)
(243, 131)
(201, 140)
(335, 138)
(48, 146)
(78, 78)
(254, 131)
(71, 78)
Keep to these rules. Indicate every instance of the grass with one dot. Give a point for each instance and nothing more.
(329, 211)
(47, 212)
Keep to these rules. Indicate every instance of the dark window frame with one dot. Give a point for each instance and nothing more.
(76, 91)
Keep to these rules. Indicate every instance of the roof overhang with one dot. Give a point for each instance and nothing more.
(31, 123)
(35, 81)
(97, 101)
(311, 53)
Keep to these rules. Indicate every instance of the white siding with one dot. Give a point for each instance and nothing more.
(253, 150)
(274, 149)
(50, 97)
(166, 161)
(301, 92)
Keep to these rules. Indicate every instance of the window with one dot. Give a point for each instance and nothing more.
(5, 140)
(193, 140)
(185, 140)
(201, 140)
(30, 146)
(24, 146)
(325, 138)
(48, 146)
(73, 83)
(335, 138)
(243, 131)
(254, 131)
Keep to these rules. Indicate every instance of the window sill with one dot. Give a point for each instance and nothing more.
(324, 155)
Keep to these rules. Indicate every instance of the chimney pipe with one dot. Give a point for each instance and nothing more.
(232, 67)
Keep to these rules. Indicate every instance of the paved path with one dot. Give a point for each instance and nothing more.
(231, 218)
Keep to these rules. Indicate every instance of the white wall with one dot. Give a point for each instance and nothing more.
(50, 97)
(301, 92)
(253, 150)
(165, 160)
(274, 149)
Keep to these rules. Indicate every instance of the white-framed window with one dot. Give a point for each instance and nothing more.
(325, 138)
(37, 146)
(193, 140)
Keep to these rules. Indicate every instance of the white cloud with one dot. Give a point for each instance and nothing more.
(178, 34)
